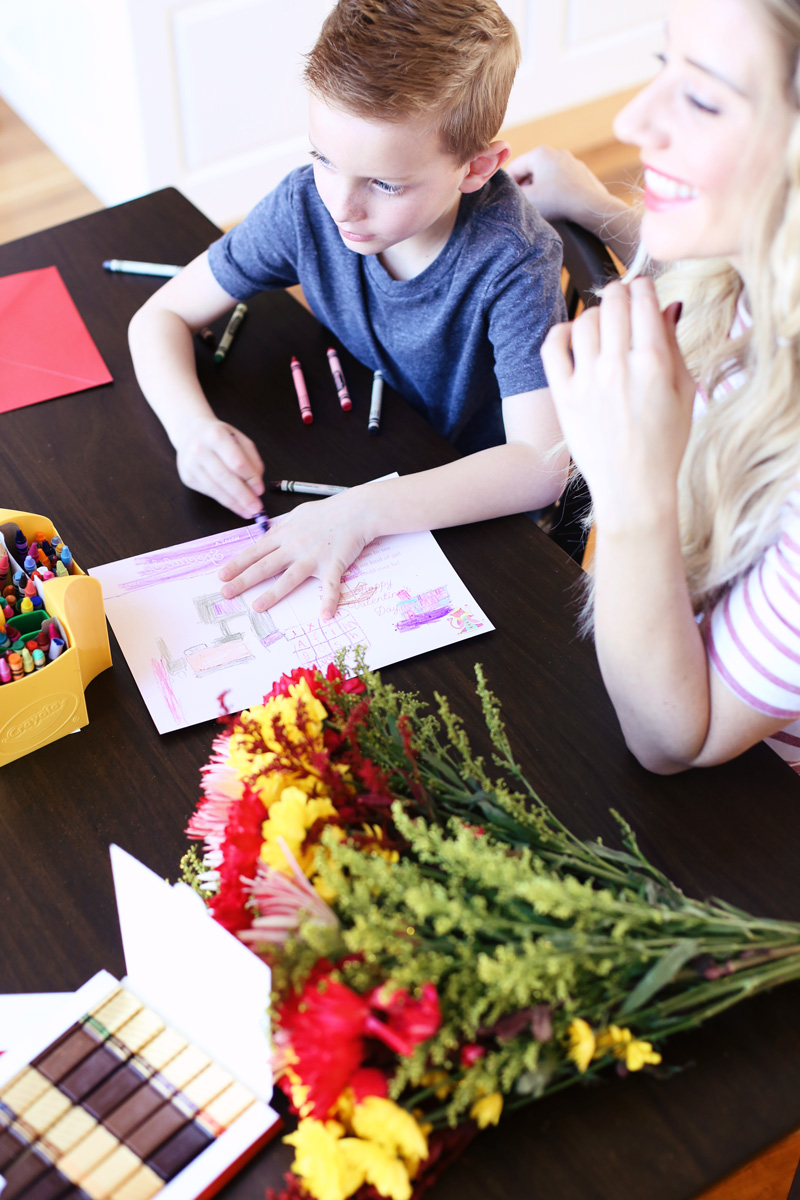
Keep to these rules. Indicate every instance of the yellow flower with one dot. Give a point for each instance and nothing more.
(377, 1166)
(625, 1047)
(581, 1043)
(287, 759)
(637, 1053)
(614, 1039)
(332, 1166)
(440, 1080)
(392, 1128)
(487, 1110)
(299, 1092)
(290, 818)
(319, 1162)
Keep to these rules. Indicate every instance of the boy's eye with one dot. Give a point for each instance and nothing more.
(315, 154)
(391, 189)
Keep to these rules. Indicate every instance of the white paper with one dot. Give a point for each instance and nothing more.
(194, 655)
(193, 972)
(21, 1014)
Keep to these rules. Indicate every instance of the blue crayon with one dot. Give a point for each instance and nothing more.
(57, 644)
(66, 558)
(21, 545)
(30, 564)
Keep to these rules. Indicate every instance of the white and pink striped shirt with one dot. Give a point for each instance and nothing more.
(753, 633)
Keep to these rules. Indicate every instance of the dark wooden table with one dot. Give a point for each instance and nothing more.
(99, 465)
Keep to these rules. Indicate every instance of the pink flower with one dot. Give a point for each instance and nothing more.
(283, 902)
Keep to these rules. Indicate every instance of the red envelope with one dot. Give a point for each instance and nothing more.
(45, 348)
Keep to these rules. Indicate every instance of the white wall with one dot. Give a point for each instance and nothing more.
(205, 95)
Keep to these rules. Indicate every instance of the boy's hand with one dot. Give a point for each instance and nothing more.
(223, 463)
(321, 539)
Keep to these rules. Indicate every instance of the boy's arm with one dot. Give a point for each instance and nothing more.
(212, 457)
(324, 537)
(563, 188)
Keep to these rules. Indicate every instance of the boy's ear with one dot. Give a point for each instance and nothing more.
(483, 166)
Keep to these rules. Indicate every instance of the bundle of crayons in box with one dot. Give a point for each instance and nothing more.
(29, 637)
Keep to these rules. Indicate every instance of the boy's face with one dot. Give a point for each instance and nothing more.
(384, 182)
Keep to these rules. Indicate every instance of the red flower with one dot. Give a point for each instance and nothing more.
(317, 683)
(240, 852)
(471, 1054)
(369, 1081)
(409, 1021)
(326, 1027)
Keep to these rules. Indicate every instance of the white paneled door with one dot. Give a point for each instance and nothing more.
(206, 95)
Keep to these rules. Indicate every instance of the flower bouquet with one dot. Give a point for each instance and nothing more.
(443, 949)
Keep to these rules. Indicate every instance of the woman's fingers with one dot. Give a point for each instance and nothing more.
(557, 357)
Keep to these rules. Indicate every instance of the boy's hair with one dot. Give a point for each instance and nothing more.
(453, 61)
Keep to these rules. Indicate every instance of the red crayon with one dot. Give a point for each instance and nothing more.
(302, 394)
(338, 379)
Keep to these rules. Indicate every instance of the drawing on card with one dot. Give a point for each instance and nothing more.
(415, 611)
(319, 642)
(185, 642)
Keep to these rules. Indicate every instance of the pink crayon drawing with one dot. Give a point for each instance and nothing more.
(415, 611)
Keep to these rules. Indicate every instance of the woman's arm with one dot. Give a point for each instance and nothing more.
(624, 398)
(562, 187)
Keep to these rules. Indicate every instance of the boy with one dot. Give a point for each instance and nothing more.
(419, 257)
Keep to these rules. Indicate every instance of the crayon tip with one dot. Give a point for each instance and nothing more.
(308, 418)
(346, 405)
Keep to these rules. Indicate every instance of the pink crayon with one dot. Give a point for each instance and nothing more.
(302, 394)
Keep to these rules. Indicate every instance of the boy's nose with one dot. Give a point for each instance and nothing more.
(346, 205)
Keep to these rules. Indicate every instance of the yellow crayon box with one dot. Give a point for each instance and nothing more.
(49, 703)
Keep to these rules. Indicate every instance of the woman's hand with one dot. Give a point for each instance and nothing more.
(560, 185)
(624, 400)
(321, 538)
(221, 462)
(564, 188)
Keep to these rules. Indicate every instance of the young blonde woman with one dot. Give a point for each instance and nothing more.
(680, 399)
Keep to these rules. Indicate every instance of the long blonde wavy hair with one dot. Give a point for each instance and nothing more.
(743, 456)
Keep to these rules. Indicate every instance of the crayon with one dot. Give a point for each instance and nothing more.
(237, 316)
(128, 267)
(308, 489)
(207, 336)
(15, 663)
(374, 423)
(338, 379)
(21, 545)
(60, 569)
(27, 661)
(39, 658)
(5, 671)
(302, 393)
(66, 558)
(262, 521)
(57, 644)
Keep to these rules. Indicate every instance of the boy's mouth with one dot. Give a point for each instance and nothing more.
(663, 191)
(355, 237)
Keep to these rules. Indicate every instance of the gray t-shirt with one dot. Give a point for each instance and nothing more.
(453, 340)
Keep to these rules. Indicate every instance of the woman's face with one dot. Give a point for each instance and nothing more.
(710, 126)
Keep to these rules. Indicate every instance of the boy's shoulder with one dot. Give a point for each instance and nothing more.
(499, 214)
